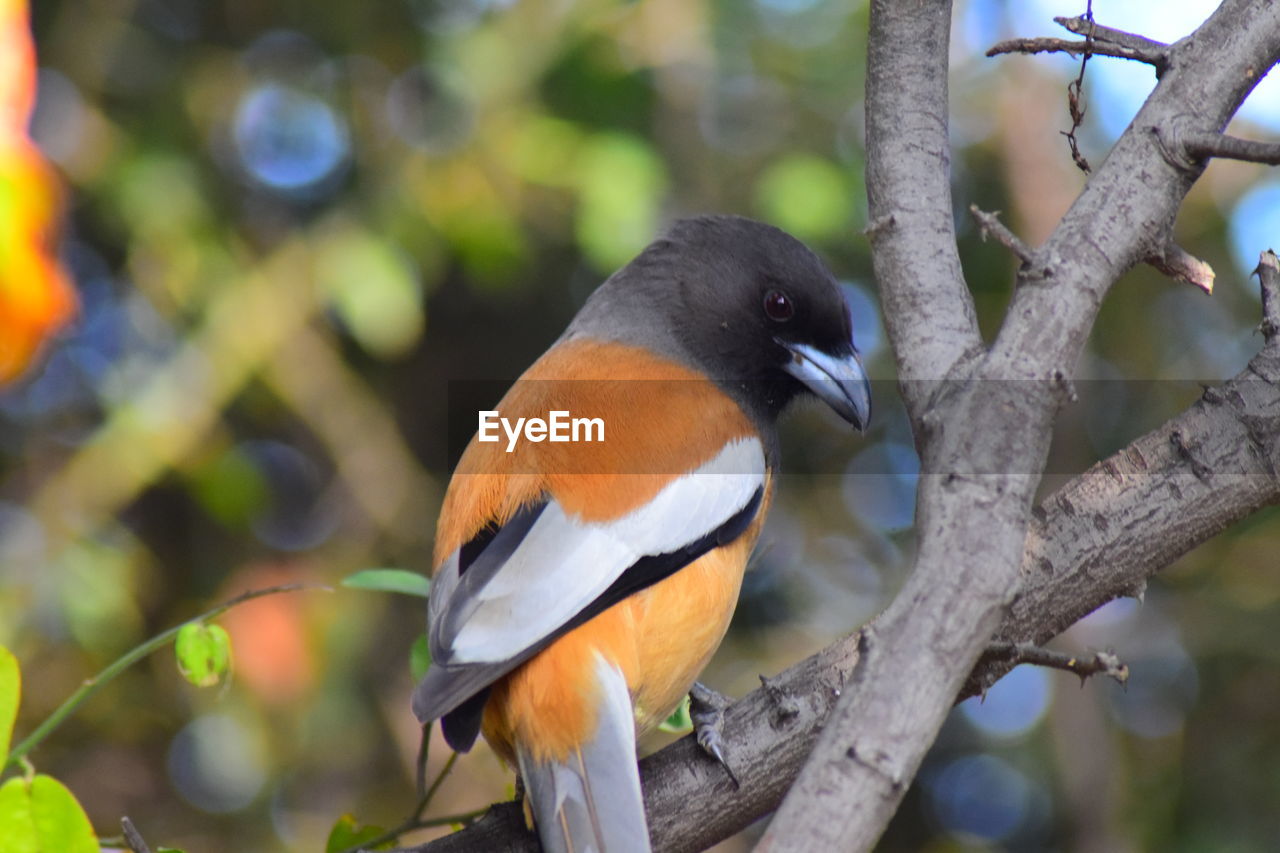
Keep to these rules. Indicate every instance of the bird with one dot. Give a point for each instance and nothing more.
(580, 587)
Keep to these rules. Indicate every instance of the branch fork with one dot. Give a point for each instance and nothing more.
(1098, 41)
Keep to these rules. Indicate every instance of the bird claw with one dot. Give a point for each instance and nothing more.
(706, 709)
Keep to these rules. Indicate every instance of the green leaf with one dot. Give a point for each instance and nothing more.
(347, 833)
(389, 580)
(203, 652)
(419, 657)
(10, 694)
(42, 816)
(679, 722)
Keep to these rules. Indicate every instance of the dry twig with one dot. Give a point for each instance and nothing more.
(1268, 272)
(1137, 47)
(1202, 146)
(132, 837)
(1180, 264)
(1104, 663)
(1074, 48)
(990, 224)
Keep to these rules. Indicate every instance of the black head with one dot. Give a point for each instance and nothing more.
(755, 309)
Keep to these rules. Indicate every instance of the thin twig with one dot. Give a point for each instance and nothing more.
(1074, 48)
(463, 819)
(1074, 88)
(1202, 146)
(435, 786)
(424, 752)
(448, 820)
(989, 224)
(1180, 264)
(1268, 272)
(415, 820)
(1085, 25)
(132, 837)
(128, 659)
(1105, 663)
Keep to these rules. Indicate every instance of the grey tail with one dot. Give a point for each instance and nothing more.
(592, 802)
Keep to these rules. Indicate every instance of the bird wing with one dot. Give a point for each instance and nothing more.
(547, 571)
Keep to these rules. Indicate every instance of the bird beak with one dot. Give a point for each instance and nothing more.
(838, 380)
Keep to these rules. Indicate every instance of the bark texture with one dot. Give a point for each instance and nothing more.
(995, 411)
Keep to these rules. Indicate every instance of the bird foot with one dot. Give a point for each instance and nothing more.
(706, 709)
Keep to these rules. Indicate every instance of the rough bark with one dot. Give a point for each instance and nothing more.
(973, 523)
(986, 564)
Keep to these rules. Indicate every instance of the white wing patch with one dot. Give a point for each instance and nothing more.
(563, 563)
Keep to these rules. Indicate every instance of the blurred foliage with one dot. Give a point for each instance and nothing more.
(300, 234)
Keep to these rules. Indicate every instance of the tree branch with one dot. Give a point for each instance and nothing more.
(985, 440)
(1202, 146)
(1010, 654)
(1098, 538)
(989, 223)
(1099, 41)
(928, 310)
(1078, 48)
(1268, 272)
(1081, 25)
(132, 837)
(1176, 262)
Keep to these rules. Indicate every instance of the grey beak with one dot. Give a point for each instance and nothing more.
(838, 380)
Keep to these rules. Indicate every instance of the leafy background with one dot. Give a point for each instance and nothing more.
(306, 237)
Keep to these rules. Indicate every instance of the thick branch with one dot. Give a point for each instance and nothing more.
(928, 310)
(1098, 538)
(986, 439)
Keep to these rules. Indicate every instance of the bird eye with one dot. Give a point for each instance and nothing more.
(778, 306)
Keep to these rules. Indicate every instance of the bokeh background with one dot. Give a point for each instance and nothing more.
(296, 229)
